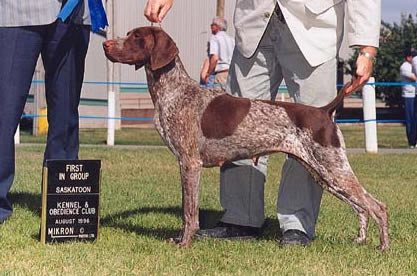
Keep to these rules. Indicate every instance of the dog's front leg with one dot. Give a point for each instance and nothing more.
(190, 179)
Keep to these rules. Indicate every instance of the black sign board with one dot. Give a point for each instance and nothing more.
(70, 200)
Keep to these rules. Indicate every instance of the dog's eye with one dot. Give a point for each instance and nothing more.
(141, 42)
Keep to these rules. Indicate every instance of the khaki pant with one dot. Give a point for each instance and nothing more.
(221, 78)
(277, 57)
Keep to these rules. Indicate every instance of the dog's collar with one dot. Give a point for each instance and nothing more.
(139, 65)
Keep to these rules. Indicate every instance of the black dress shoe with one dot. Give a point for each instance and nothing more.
(229, 232)
(294, 237)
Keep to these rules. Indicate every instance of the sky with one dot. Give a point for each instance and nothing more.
(392, 9)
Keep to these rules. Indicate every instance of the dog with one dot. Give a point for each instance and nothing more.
(206, 127)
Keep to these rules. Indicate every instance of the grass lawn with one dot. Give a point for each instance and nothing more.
(388, 136)
(141, 209)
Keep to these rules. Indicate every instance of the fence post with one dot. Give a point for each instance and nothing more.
(369, 116)
(17, 135)
(111, 96)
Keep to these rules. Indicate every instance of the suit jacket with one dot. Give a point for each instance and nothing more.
(317, 25)
(17, 13)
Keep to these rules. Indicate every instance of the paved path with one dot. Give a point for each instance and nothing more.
(350, 150)
(385, 151)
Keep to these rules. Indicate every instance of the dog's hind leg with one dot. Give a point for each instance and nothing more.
(363, 216)
(379, 213)
(364, 205)
(190, 179)
(340, 181)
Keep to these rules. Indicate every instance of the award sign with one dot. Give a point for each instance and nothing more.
(70, 200)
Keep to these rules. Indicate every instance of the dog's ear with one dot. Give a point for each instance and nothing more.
(164, 50)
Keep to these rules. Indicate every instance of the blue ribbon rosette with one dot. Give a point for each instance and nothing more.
(97, 13)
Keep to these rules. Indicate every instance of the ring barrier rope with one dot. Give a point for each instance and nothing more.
(282, 87)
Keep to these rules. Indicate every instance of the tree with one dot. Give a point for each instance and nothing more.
(394, 40)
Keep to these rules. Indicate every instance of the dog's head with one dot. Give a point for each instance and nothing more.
(141, 46)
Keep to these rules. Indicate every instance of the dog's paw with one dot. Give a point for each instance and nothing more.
(180, 243)
(360, 240)
(383, 247)
(173, 240)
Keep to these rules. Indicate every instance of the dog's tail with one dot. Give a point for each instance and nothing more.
(333, 105)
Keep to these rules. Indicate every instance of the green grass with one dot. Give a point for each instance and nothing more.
(125, 136)
(388, 136)
(141, 209)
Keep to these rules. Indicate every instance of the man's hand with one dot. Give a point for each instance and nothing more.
(156, 10)
(204, 77)
(364, 67)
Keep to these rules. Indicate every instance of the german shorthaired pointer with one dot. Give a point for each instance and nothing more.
(206, 127)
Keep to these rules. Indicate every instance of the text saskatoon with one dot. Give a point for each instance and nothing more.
(73, 190)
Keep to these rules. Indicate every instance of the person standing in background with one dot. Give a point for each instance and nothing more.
(221, 47)
(408, 93)
(204, 80)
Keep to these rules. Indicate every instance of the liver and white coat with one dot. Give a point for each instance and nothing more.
(206, 127)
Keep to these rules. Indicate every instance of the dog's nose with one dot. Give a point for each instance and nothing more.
(107, 44)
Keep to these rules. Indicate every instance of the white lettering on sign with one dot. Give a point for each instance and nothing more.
(64, 208)
(73, 190)
(64, 212)
(74, 168)
(65, 221)
(68, 204)
(83, 221)
(61, 176)
(79, 176)
(58, 231)
(88, 211)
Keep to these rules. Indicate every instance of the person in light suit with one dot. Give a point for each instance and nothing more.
(28, 29)
(297, 41)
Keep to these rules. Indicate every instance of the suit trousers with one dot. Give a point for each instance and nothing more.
(63, 48)
(277, 57)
